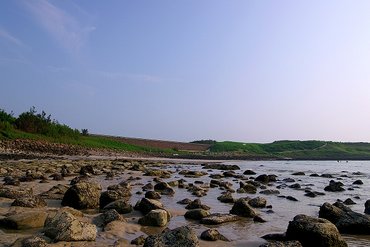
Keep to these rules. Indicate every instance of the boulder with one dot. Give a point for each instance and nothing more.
(146, 205)
(226, 198)
(121, 206)
(247, 188)
(15, 192)
(156, 217)
(152, 195)
(179, 237)
(213, 235)
(242, 208)
(87, 170)
(108, 216)
(367, 207)
(83, 195)
(164, 188)
(30, 202)
(258, 202)
(216, 219)
(249, 172)
(270, 192)
(24, 220)
(197, 204)
(316, 232)
(196, 214)
(66, 227)
(345, 219)
(114, 193)
(334, 186)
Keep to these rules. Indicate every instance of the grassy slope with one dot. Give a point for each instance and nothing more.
(297, 149)
(279, 149)
(84, 141)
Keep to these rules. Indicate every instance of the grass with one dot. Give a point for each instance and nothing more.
(83, 141)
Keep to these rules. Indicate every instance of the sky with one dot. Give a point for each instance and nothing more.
(251, 71)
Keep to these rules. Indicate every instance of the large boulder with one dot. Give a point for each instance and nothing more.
(30, 202)
(258, 202)
(334, 186)
(345, 219)
(146, 205)
(156, 217)
(316, 232)
(164, 188)
(115, 192)
(66, 227)
(179, 237)
(25, 220)
(83, 195)
(242, 208)
(367, 207)
(107, 217)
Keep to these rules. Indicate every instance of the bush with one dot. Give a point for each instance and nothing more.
(85, 132)
(6, 117)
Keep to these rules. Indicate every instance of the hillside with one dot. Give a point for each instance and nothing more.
(36, 132)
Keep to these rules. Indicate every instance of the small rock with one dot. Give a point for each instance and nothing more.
(196, 214)
(213, 235)
(156, 217)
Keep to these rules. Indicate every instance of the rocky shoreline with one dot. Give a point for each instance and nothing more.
(78, 202)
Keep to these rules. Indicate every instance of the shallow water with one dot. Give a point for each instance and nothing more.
(244, 232)
(248, 233)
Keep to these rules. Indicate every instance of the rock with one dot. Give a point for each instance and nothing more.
(221, 167)
(247, 188)
(326, 175)
(66, 227)
(147, 187)
(291, 198)
(367, 207)
(192, 174)
(139, 240)
(270, 192)
(358, 182)
(57, 177)
(83, 195)
(295, 186)
(345, 219)
(30, 202)
(314, 194)
(242, 208)
(334, 186)
(164, 188)
(56, 192)
(87, 170)
(289, 180)
(249, 172)
(34, 241)
(14, 193)
(216, 219)
(298, 174)
(109, 216)
(83, 178)
(258, 202)
(152, 195)
(156, 217)
(158, 173)
(121, 206)
(349, 201)
(226, 198)
(25, 220)
(293, 243)
(179, 237)
(314, 232)
(213, 235)
(197, 204)
(263, 179)
(196, 214)
(114, 193)
(275, 237)
(11, 181)
(185, 201)
(146, 205)
(258, 219)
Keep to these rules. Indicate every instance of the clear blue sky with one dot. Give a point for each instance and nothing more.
(254, 71)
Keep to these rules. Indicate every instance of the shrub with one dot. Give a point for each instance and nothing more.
(85, 132)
